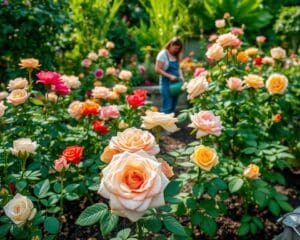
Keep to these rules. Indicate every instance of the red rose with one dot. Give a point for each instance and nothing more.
(257, 61)
(99, 127)
(140, 92)
(73, 154)
(135, 100)
(277, 117)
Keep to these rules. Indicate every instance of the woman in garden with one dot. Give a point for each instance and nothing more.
(168, 67)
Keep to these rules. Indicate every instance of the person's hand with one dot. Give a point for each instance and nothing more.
(173, 78)
(182, 79)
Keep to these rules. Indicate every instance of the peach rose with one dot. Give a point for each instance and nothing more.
(252, 171)
(109, 112)
(251, 51)
(133, 140)
(260, 39)
(166, 168)
(29, 63)
(103, 52)
(212, 37)
(206, 123)
(108, 154)
(111, 71)
(242, 57)
(113, 95)
(120, 88)
(159, 119)
(3, 95)
(125, 75)
(61, 164)
(277, 83)
(205, 157)
(235, 84)
(17, 97)
(220, 23)
(18, 83)
(71, 81)
(215, 52)
(23, 146)
(237, 31)
(2, 108)
(75, 109)
(228, 40)
(133, 182)
(122, 125)
(278, 53)
(92, 56)
(196, 86)
(51, 97)
(254, 81)
(268, 60)
(100, 92)
(110, 45)
(19, 209)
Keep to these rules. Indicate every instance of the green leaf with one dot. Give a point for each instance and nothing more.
(285, 206)
(260, 198)
(41, 188)
(91, 214)
(51, 225)
(173, 188)
(153, 224)
(108, 222)
(21, 185)
(253, 228)
(196, 217)
(249, 150)
(173, 225)
(198, 189)
(209, 226)
(219, 183)
(4, 229)
(235, 184)
(124, 233)
(274, 207)
(36, 101)
(243, 229)
(246, 218)
(258, 222)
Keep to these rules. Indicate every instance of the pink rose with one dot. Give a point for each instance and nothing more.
(109, 112)
(100, 92)
(235, 84)
(196, 86)
(228, 40)
(103, 52)
(260, 39)
(98, 73)
(198, 71)
(86, 63)
(48, 78)
(215, 52)
(61, 88)
(61, 164)
(220, 23)
(237, 31)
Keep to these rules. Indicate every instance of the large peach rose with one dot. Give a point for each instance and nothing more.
(228, 40)
(254, 81)
(23, 146)
(75, 109)
(205, 122)
(125, 75)
(196, 86)
(278, 53)
(252, 171)
(133, 140)
(159, 119)
(235, 84)
(205, 157)
(2, 108)
(101, 92)
(133, 182)
(17, 97)
(18, 83)
(19, 209)
(277, 83)
(29, 63)
(215, 52)
(71, 81)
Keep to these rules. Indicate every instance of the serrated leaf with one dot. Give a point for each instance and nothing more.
(153, 223)
(235, 184)
(173, 225)
(243, 229)
(108, 222)
(91, 214)
(173, 188)
(124, 233)
(209, 226)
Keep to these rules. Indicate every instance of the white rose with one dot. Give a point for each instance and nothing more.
(23, 146)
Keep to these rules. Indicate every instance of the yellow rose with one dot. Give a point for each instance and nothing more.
(17, 97)
(251, 51)
(277, 83)
(19, 209)
(29, 63)
(205, 157)
(254, 81)
(252, 171)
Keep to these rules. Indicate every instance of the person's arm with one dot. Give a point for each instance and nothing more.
(180, 74)
(159, 68)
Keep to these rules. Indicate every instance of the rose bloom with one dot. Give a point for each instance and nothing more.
(242, 57)
(100, 92)
(48, 78)
(140, 92)
(260, 39)
(133, 182)
(226, 15)
(212, 37)
(51, 97)
(103, 52)
(61, 164)
(20, 209)
(235, 84)
(61, 88)
(111, 71)
(113, 95)
(120, 88)
(206, 123)
(23, 146)
(75, 109)
(98, 73)
(166, 168)
(135, 100)
(196, 86)
(205, 157)
(159, 119)
(220, 23)
(254, 81)
(278, 53)
(71, 81)
(92, 56)
(17, 97)
(125, 75)
(133, 140)
(109, 112)
(29, 63)
(3, 95)
(90, 108)
(251, 51)
(228, 40)
(268, 60)
(2, 108)
(237, 31)
(199, 71)
(252, 171)
(18, 83)
(110, 45)
(122, 125)
(215, 52)
(73, 154)
(108, 154)
(86, 63)
(277, 117)
(257, 61)
(277, 83)
(99, 127)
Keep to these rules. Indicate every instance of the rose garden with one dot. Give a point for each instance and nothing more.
(85, 152)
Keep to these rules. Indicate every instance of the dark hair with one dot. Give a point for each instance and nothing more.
(175, 41)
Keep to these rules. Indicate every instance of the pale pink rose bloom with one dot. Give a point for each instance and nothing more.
(260, 39)
(278, 53)
(159, 119)
(268, 60)
(212, 37)
(133, 182)
(228, 40)
(199, 71)
(61, 164)
(92, 56)
(109, 112)
(71, 81)
(51, 97)
(101, 92)
(103, 52)
(3, 95)
(86, 63)
(120, 88)
(125, 75)
(133, 140)
(17, 97)
(18, 83)
(235, 84)
(215, 52)
(220, 23)
(75, 109)
(237, 31)
(110, 45)
(111, 71)
(196, 86)
(205, 122)
(2, 108)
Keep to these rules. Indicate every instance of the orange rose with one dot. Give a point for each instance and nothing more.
(252, 171)
(277, 117)
(277, 83)
(73, 154)
(108, 154)
(242, 57)
(29, 63)
(254, 81)
(205, 157)
(90, 108)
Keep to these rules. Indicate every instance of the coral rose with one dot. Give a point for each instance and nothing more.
(75, 109)
(2, 108)
(205, 157)
(242, 57)
(135, 100)
(125, 75)
(133, 182)
(278, 53)
(133, 140)
(140, 92)
(29, 63)
(254, 81)
(235, 84)
(23, 147)
(252, 171)
(276, 83)
(277, 117)
(109, 112)
(18, 83)
(108, 154)
(228, 40)
(196, 86)
(205, 122)
(61, 164)
(215, 52)
(17, 97)
(20, 209)
(73, 154)
(90, 108)
(99, 127)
